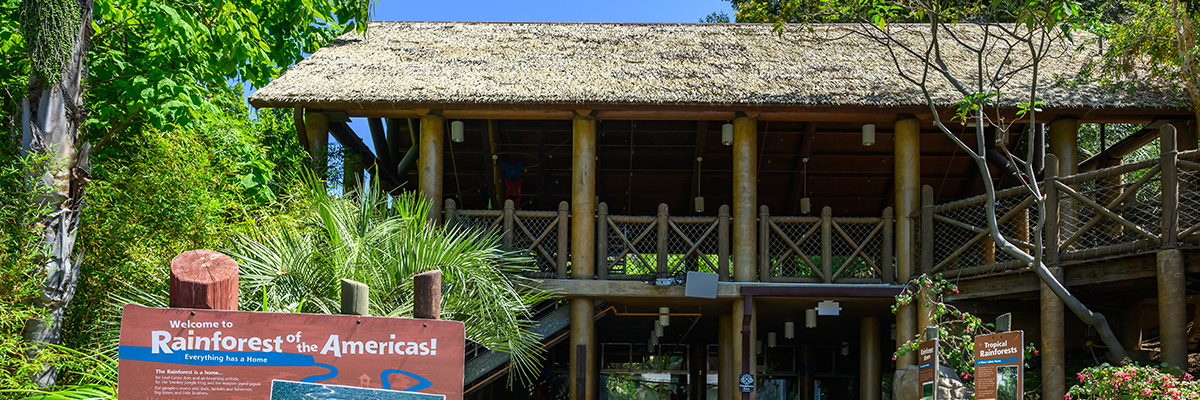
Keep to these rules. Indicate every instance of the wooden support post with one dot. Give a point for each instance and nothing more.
(1172, 308)
(510, 216)
(744, 357)
(451, 211)
(602, 241)
(697, 371)
(1053, 343)
(1064, 144)
(1053, 352)
(745, 196)
(492, 167)
(726, 377)
(433, 134)
(827, 243)
(1050, 234)
(661, 249)
(723, 243)
(907, 138)
(870, 357)
(924, 307)
(927, 244)
(887, 251)
(203, 279)
(583, 197)
(808, 378)
(316, 125)
(356, 299)
(564, 215)
(427, 295)
(1131, 328)
(1168, 157)
(582, 375)
(764, 245)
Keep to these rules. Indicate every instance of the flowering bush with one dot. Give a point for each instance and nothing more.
(956, 329)
(1132, 381)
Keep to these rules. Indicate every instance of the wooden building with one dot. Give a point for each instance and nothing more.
(618, 154)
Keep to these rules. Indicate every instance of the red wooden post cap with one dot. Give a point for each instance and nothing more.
(204, 279)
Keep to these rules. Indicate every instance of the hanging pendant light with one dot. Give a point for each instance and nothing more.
(727, 134)
(456, 131)
(868, 134)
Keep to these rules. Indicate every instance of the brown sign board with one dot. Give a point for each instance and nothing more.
(927, 366)
(1000, 366)
(174, 353)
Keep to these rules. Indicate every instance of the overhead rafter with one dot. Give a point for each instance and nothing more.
(350, 140)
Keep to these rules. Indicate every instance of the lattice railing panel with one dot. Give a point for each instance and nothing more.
(1111, 211)
(855, 247)
(692, 244)
(794, 248)
(632, 248)
(537, 233)
(961, 232)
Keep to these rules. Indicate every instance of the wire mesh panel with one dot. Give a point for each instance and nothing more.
(1189, 198)
(794, 249)
(962, 243)
(537, 232)
(856, 245)
(1111, 211)
(632, 247)
(692, 244)
(486, 220)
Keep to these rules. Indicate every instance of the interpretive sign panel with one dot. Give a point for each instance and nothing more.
(1000, 366)
(171, 353)
(927, 366)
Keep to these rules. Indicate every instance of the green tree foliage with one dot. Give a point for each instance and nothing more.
(154, 61)
(157, 193)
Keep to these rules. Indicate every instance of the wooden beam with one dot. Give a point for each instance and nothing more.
(1127, 145)
(589, 288)
(350, 140)
(379, 139)
(1100, 271)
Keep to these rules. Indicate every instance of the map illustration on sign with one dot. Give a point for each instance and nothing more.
(288, 390)
(190, 353)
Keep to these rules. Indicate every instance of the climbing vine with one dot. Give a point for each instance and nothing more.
(50, 28)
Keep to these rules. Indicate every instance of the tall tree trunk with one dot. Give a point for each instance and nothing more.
(1185, 41)
(50, 120)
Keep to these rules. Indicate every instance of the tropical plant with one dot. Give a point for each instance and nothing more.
(136, 63)
(361, 237)
(96, 373)
(1133, 381)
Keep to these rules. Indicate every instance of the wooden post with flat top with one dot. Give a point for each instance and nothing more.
(427, 295)
(203, 279)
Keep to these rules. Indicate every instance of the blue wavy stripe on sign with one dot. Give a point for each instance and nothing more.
(227, 359)
(317, 378)
(925, 365)
(421, 381)
(1008, 360)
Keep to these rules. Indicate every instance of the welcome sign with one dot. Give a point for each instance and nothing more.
(1000, 366)
(170, 353)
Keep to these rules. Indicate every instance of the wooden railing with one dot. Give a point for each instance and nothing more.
(829, 250)
(1116, 211)
(808, 249)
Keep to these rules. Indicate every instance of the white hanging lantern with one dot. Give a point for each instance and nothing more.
(789, 330)
(868, 137)
(664, 316)
(727, 134)
(810, 318)
(456, 131)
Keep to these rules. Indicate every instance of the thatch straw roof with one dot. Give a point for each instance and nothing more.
(529, 64)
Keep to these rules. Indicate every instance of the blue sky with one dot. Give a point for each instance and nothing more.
(540, 11)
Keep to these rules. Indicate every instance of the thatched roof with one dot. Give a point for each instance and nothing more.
(529, 64)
